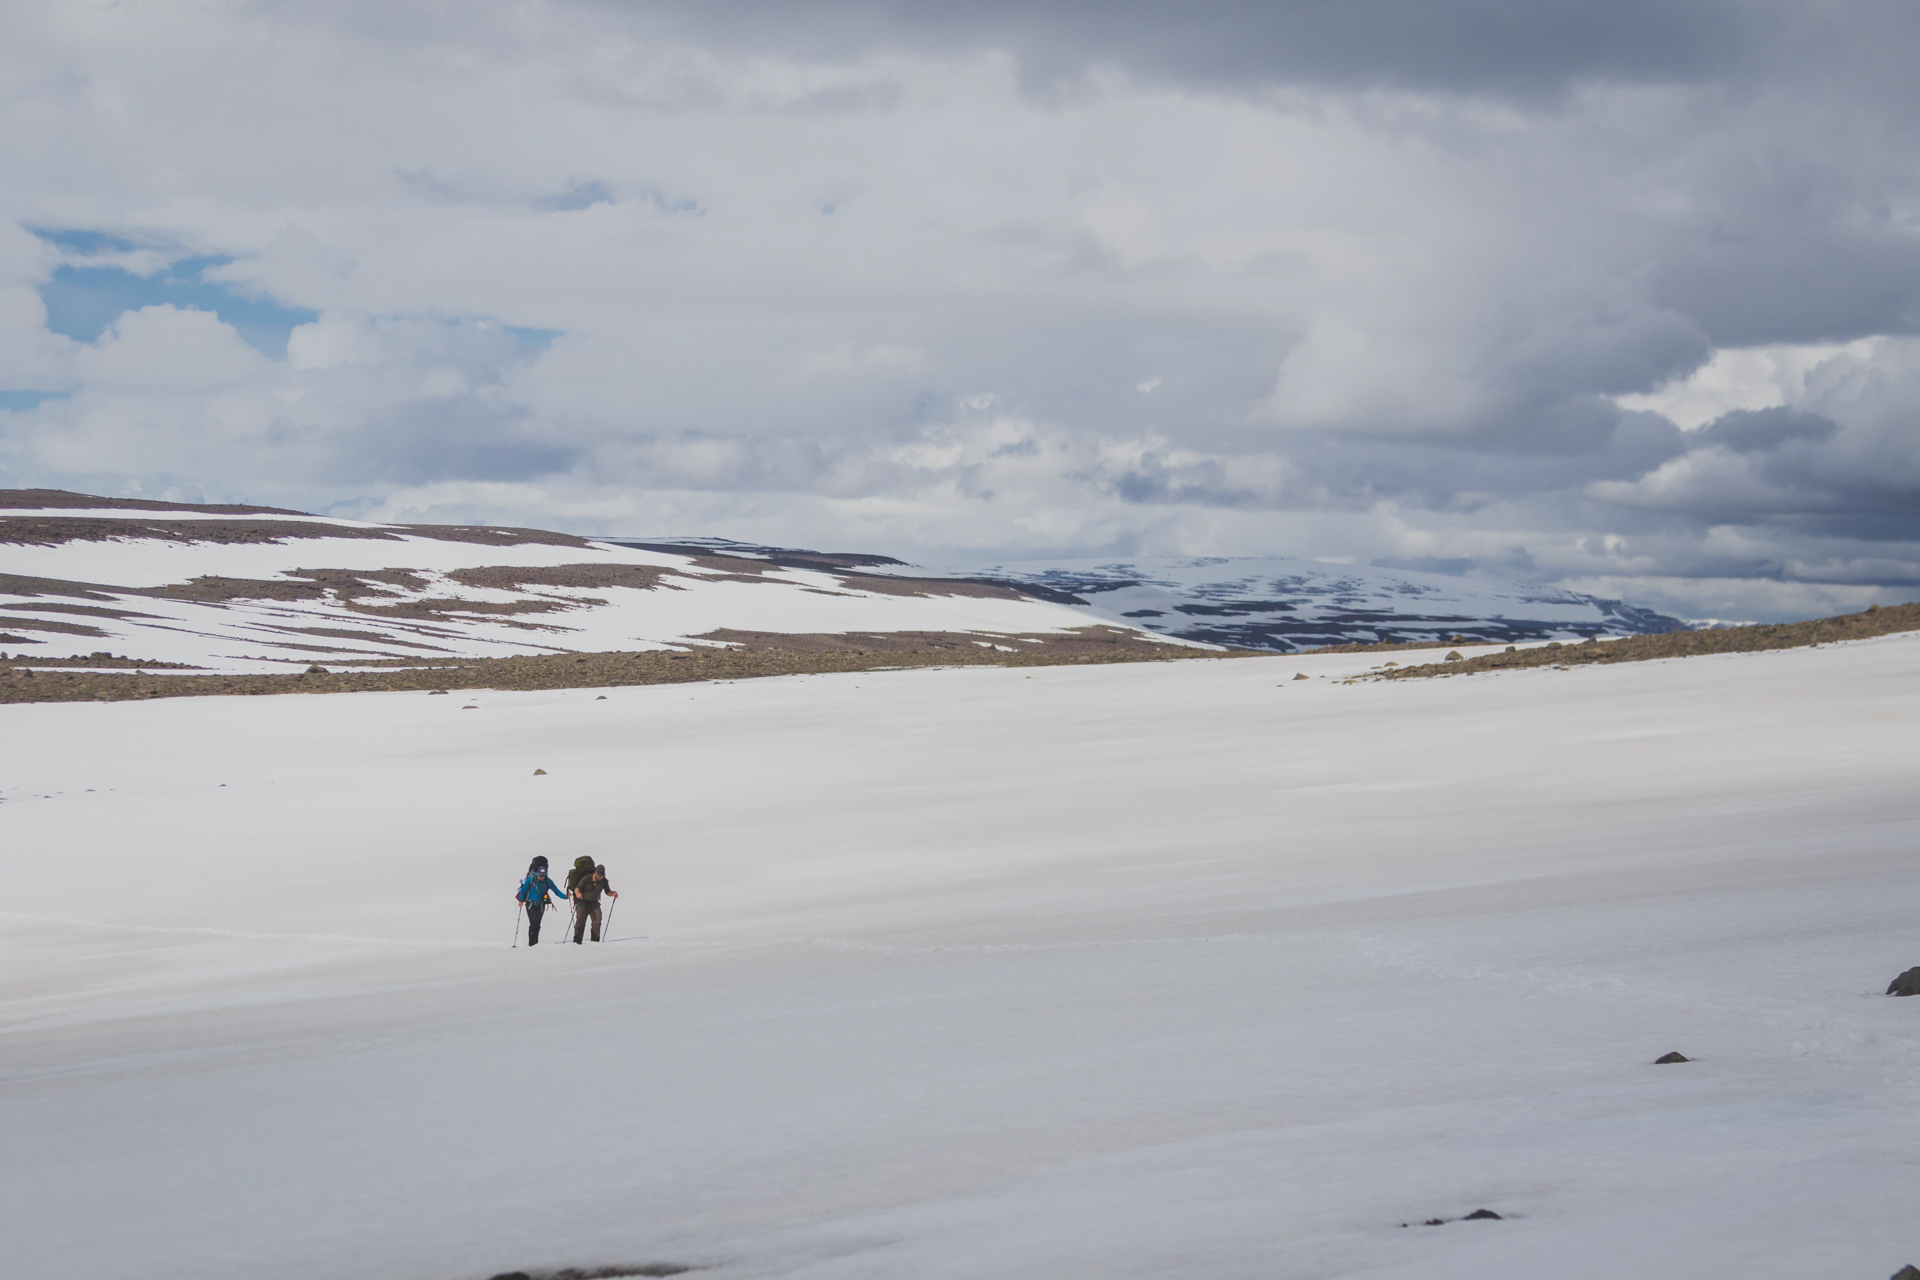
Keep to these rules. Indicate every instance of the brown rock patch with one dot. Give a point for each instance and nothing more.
(55, 499)
(491, 537)
(1680, 644)
(52, 531)
(745, 655)
(640, 577)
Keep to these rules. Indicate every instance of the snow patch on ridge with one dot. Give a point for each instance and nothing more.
(175, 588)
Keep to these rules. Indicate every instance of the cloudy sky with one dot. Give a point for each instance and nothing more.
(1620, 295)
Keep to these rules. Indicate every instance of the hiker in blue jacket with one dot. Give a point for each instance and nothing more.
(533, 891)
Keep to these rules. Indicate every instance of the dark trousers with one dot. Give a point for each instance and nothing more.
(582, 913)
(534, 910)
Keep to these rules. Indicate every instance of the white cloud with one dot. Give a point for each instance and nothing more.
(167, 350)
(847, 358)
(1746, 378)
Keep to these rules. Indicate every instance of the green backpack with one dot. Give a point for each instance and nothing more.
(581, 869)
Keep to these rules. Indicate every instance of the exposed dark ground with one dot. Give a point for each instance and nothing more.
(769, 654)
(1680, 644)
(753, 654)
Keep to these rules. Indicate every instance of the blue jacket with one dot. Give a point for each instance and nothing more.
(532, 894)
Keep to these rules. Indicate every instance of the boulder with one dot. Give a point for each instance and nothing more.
(1482, 1215)
(539, 773)
(1665, 1058)
(316, 670)
(1300, 675)
(1453, 656)
(1908, 1272)
(433, 692)
(1907, 984)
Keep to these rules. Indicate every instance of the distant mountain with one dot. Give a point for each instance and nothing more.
(255, 589)
(252, 590)
(1273, 603)
(1285, 605)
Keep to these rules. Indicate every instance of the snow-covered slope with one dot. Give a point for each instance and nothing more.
(1267, 602)
(246, 589)
(1281, 604)
(1172, 970)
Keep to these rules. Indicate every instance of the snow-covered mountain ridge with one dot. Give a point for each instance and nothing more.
(1286, 604)
(255, 589)
(251, 589)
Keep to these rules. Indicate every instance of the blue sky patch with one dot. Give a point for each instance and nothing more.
(85, 242)
(534, 339)
(21, 401)
(82, 301)
(581, 195)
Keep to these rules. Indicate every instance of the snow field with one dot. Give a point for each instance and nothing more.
(1181, 969)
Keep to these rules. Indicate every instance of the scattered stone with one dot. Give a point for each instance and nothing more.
(601, 698)
(1553, 644)
(1511, 649)
(539, 773)
(1300, 675)
(1671, 1057)
(1454, 656)
(1478, 1215)
(316, 670)
(432, 693)
(600, 1273)
(1907, 984)
(469, 707)
(1391, 664)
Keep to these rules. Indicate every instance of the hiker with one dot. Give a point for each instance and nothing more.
(533, 891)
(586, 902)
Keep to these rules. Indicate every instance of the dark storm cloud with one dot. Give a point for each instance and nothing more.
(1758, 430)
(1523, 46)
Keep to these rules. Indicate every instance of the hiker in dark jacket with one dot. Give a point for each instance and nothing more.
(586, 902)
(533, 891)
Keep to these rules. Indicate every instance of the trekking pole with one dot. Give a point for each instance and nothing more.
(606, 931)
(518, 908)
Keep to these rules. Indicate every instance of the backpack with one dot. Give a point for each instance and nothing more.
(582, 869)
